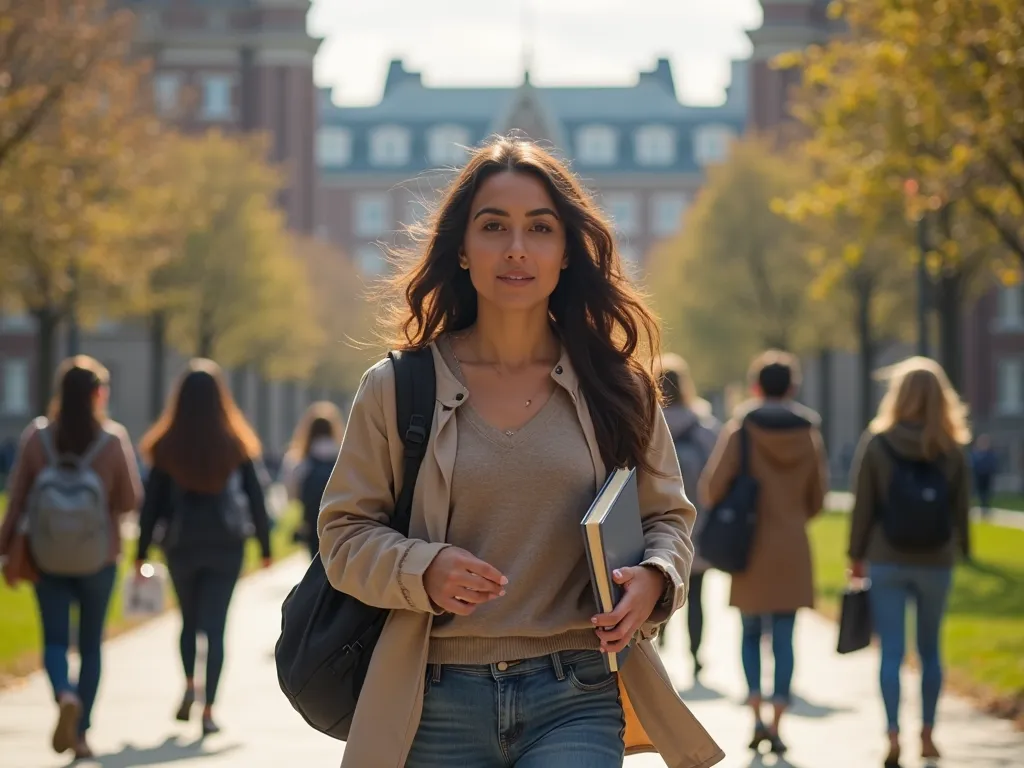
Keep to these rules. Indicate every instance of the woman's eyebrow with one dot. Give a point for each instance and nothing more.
(499, 212)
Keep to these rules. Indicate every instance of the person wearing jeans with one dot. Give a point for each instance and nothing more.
(920, 420)
(892, 587)
(780, 625)
(557, 710)
(56, 595)
(786, 456)
(77, 426)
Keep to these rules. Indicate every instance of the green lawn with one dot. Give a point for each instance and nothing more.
(19, 619)
(984, 632)
(1013, 501)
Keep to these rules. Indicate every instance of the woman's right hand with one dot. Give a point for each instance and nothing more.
(457, 582)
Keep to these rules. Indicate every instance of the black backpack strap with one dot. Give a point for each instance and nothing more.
(415, 393)
(744, 449)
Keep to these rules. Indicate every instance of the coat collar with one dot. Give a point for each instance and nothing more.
(451, 393)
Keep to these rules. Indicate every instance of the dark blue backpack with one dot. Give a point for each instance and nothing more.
(318, 472)
(726, 536)
(916, 513)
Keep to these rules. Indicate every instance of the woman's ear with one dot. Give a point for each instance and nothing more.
(565, 260)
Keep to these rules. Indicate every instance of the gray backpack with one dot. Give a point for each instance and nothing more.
(67, 516)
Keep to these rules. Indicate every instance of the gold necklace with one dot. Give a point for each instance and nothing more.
(458, 364)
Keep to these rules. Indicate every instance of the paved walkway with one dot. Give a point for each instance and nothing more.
(836, 722)
(842, 501)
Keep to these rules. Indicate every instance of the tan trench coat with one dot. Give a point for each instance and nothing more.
(381, 567)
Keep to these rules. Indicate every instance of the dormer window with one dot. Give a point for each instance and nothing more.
(597, 145)
(333, 146)
(711, 143)
(655, 145)
(389, 146)
(446, 145)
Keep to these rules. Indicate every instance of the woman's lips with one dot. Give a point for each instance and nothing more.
(515, 279)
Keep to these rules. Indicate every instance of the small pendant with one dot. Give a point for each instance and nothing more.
(509, 433)
(528, 403)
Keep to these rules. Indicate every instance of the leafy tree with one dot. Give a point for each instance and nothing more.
(49, 49)
(734, 281)
(928, 90)
(62, 203)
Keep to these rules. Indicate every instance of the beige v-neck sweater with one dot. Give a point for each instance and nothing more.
(517, 502)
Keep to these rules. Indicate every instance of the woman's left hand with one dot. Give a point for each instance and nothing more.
(643, 586)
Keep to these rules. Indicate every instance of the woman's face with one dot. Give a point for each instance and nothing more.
(514, 247)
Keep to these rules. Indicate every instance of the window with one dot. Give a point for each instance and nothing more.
(1010, 398)
(389, 146)
(370, 259)
(711, 143)
(16, 384)
(17, 323)
(372, 214)
(622, 207)
(216, 103)
(1010, 307)
(667, 209)
(333, 146)
(446, 144)
(166, 92)
(655, 145)
(597, 145)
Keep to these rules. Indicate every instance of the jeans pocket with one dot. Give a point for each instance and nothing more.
(589, 674)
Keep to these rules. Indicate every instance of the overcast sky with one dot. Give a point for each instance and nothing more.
(476, 42)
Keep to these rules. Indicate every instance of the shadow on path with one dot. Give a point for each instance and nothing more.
(770, 761)
(801, 707)
(700, 692)
(172, 750)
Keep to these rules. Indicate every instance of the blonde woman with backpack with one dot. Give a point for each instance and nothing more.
(910, 522)
(76, 448)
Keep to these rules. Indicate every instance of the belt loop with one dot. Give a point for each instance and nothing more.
(435, 674)
(556, 662)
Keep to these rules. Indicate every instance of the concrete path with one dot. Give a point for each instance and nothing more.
(837, 722)
(842, 501)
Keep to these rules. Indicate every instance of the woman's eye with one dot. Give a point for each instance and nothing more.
(492, 226)
(542, 227)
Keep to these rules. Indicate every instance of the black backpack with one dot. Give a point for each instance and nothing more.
(916, 513)
(327, 637)
(318, 472)
(726, 536)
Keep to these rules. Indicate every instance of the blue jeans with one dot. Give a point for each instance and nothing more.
(558, 711)
(891, 585)
(781, 626)
(55, 595)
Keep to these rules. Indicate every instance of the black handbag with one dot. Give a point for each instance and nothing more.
(327, 637)
(855, 623)
(726, 536)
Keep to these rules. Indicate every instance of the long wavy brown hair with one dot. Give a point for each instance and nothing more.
(202, 436)
(608, 332)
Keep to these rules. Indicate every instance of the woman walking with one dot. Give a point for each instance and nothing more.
(913, 449)
(308, 463)
(205, 492)
(92, 453)
(787, 458)
(536, 337)
(694, 432)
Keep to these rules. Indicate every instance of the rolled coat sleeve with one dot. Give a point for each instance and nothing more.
(668, 517)
(363, 556)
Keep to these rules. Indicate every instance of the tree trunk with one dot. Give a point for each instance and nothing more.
(263, 408)
(158, 362)
(825, 401)
(950, 292)
(47, 321)
(207, 336)
(865, 352)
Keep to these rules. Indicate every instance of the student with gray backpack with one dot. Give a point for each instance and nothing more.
(694, 432)
(74, 478)
(204, 500)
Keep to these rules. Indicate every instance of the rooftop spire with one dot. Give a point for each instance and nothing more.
(526, 34)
